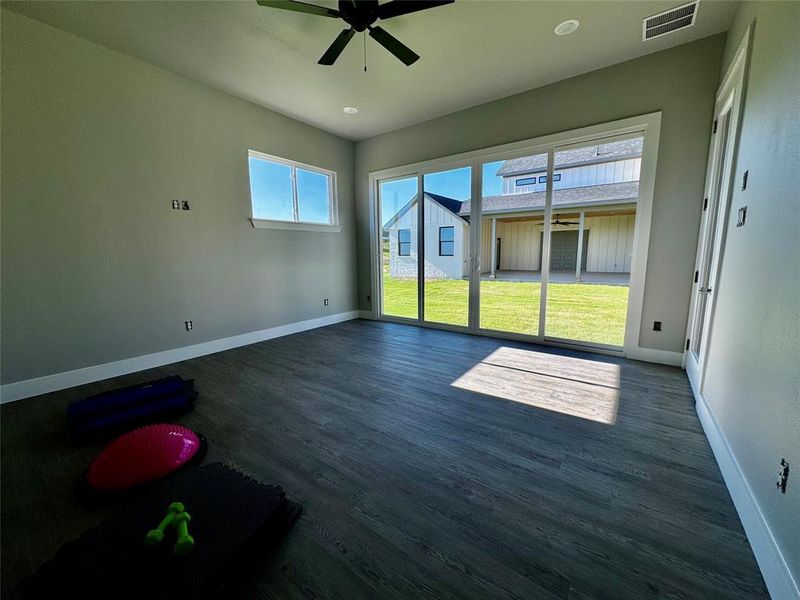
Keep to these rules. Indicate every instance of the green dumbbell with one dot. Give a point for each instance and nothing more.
(185, 542)
(154, 536)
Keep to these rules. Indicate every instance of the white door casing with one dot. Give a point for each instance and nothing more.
(720, 176)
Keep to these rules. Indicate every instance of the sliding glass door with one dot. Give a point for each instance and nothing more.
(513, 195)
(397, 214)
(447, 246)
(593, 215)
(537, 244)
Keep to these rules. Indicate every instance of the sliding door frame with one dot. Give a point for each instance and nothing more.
(648, 124)
(376, 262)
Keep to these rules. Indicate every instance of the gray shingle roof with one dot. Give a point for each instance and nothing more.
(454, 206)
(580, 196)
(589, 195)
(589, 154)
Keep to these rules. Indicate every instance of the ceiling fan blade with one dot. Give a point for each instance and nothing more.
(335, 49)
(403, 7)
(392, 44)
(303, 7)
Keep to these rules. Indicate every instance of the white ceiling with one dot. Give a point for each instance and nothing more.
(472, 51)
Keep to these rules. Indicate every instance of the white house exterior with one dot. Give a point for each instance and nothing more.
(446, 260)
(596, 185)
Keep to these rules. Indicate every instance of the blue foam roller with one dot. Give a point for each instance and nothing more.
(134, 415)
(121, 398)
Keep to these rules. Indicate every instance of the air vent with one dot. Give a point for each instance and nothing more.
(666, 22)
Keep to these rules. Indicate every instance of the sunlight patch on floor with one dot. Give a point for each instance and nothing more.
(572, 386)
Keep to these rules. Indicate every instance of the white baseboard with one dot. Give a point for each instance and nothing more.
(774, 569)
(664, 357)
(68, 379)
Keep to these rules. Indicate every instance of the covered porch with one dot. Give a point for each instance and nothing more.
(560, 277)
(588, 245)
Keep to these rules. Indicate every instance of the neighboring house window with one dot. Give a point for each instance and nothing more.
(526, 181)
(556, 177)
(287, 192)
(446, 241)
(404, 242)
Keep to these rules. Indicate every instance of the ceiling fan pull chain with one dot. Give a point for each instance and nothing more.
(365, 51)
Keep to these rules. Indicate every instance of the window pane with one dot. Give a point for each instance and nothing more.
(271, 190)
(446, 285)
(511, 228)
(591, 241)
(398, 208)
(313, 197)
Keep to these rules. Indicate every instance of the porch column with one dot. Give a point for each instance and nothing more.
(580, 248)
(494, 247)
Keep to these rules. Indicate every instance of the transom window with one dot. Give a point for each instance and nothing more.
(556, 177)
(525, 181)
(404, 242)
(284, 192)
(446, 241)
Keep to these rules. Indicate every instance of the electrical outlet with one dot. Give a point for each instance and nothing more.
(783, 476)
(188, 325)
(176, 205)
(656, 325)
(325, 302)
(185, 205)
(744, 180)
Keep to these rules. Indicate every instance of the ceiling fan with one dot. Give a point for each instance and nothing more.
(557, 222)
(361, 15)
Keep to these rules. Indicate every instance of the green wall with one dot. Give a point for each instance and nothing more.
(96, 267)
(681, 82)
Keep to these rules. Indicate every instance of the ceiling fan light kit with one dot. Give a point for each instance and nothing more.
(361, 15)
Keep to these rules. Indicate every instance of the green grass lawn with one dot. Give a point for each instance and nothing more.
(586, 312)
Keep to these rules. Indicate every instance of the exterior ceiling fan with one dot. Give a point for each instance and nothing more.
(557, 222)
(361, 15)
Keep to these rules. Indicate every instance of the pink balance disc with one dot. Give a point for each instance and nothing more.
(143, 455)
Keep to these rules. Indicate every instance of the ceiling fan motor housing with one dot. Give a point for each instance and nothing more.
(359, 15)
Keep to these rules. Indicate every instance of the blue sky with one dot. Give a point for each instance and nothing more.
(271, 191)
(453, 184)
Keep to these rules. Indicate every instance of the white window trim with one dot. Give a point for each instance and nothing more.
(332, 227)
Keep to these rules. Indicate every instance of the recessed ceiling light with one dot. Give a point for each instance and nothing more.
(566, 27)
(350, 110)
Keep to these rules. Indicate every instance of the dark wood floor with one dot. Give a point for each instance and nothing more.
(415, 485)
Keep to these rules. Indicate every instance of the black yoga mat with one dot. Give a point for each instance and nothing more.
(233, 516)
